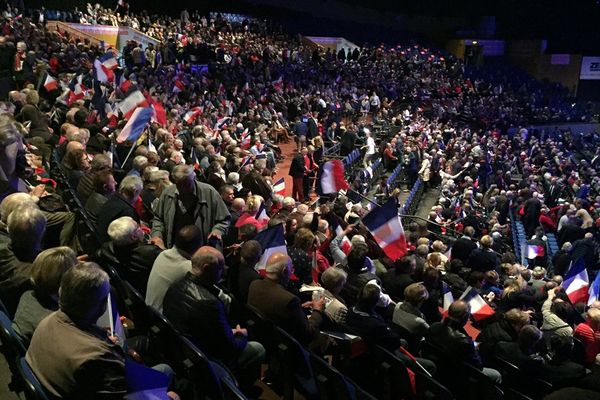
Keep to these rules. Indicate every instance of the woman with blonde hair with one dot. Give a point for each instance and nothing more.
(252, 213)
(587, 221)
(46, 273)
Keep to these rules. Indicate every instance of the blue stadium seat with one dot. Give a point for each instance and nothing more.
(33, 388)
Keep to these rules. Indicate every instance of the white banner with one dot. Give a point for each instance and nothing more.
(590, 68)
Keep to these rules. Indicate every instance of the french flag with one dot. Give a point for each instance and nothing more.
(273, 241)
(534, 251)
(191, 115)
(479, 308)
(109, 61)
(576, 282)
(136, 124)
(77, 90)
(160, 115)
(125, 85)
(246, 140)
(50, 83)
(278, 84)
(279, 187)
(448, 298)
(385, 226)
(261, 214)
(332, 178)
(178, 86)
(222, 123)
(130, 103)
(346, 245)
(101, 73)
(594, 291)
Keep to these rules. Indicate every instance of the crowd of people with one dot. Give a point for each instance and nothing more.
(179, 210)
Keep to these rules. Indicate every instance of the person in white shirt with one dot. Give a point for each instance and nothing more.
(370, 146)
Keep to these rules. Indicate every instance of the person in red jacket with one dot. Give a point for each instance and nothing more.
(589, 334)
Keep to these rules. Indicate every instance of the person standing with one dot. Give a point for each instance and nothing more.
(297, 170)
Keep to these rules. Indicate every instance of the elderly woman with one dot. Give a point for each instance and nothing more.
(46, 273)
(77, 164)
(308, 261)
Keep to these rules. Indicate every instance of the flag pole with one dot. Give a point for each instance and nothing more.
(365, 197)
(129, 154)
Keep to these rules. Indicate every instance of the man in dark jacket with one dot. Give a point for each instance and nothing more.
(397, 279)
(531, 214)
(275, 302)
(506, 329)
(464, 246)
(484, 259)
(196, 307)
(297, 171)
(255, 182)
(585, 248)
(451, 337)
(119, 205)
(242, 274)
(128, 252)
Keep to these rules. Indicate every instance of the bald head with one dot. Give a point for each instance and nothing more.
(238, 204)
(279, 268)
(74, 145)
(459, 311)
(208, 263)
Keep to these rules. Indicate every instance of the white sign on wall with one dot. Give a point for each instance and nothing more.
(590, 68)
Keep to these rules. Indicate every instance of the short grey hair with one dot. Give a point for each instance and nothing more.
(158, 176)
(233, 178)
(139, 162)
(131, 185)
(181, 172)
(289, 202)
(260, 164)
(14, 201)
(333, 278)
(121, 231)
(79, 290)
(9, 133)
(26, 222)
(323, 225)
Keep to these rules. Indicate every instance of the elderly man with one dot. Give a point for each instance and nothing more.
(451, 336)
(26, 226)
(172, 265)
(121, 204)
(189, 201)
(408, 314)
(128, 252)
(70, 355)
(195, 306)
(276, 303)
(255, 182)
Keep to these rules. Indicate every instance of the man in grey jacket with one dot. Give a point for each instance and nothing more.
(189, 202)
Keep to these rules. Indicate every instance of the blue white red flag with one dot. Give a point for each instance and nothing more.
(576, 282)
(136, 125)
(479, 308)
(272, 241)
(386, 227)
